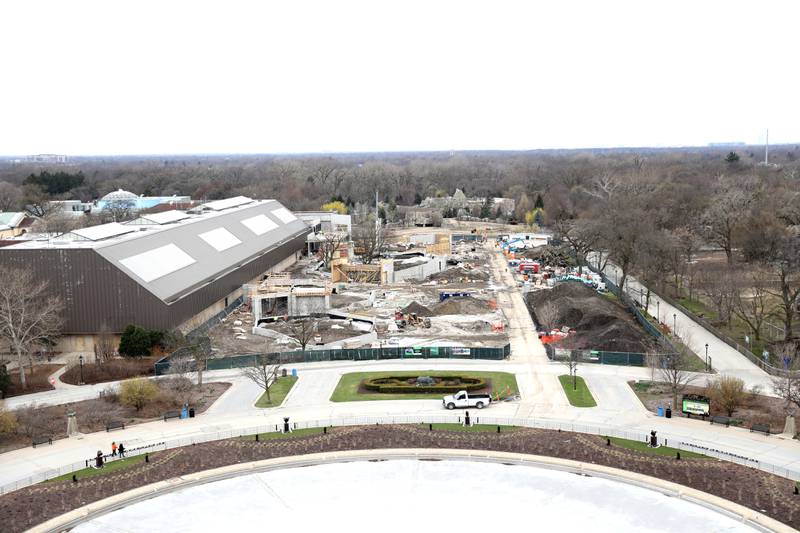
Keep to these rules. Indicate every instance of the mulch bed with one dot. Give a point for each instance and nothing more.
(437, 395)
(36, 381)
(769, 494)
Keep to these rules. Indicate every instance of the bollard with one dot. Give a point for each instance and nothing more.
(74, 478)
(608, 441)
(665, 442)
(430, 427)
(146, 458)
(325, 430)
(256, 437)
(466, 419)
(677, 456)
(286, 424)
(498, 429)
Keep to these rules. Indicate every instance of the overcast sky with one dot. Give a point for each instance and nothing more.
(118, 77)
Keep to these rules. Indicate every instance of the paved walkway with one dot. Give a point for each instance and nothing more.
(724, 359)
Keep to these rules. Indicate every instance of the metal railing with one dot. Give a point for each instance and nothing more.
(675, 441)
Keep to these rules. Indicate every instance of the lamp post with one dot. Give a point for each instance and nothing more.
(80, 360)
(658, 310)
(707, 357)
(674, 322)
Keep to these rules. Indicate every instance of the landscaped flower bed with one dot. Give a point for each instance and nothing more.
(417, 384)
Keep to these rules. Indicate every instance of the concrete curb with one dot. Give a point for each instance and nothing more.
(113, 503)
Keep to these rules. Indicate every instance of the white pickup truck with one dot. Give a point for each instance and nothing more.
(463, 399)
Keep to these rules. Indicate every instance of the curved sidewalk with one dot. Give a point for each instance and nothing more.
(94, 510)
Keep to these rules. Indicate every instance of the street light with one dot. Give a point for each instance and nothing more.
(674, 322)
(707, 357)
(80, 360)
(658, 310)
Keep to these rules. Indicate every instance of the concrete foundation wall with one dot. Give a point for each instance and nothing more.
(435, 265)
(308, 305)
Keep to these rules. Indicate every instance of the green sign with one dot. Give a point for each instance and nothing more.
(695, 407)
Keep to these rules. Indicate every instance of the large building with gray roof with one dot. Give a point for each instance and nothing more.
(163, 271)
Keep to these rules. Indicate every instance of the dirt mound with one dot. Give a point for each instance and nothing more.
(600, 323)
(459, 273)
(418, 308)
(549, 255)
(461, 305)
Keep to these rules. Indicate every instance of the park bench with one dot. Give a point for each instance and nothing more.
(115, 424)
(171, 414)
(761, 428)
(42, 440)
(724, 420)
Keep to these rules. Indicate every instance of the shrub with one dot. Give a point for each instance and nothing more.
(8, 422)
(728, 393)
(406, 384)
(138, 342)
(5, 381)
(138, 392)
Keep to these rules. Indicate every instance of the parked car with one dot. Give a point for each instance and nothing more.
(464, 399)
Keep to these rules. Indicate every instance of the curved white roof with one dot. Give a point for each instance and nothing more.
(119, 195)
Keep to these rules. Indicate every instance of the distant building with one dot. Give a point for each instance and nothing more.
(171, 270)
(72, 207)
(13, 224)
(325, 221)
(46, 158)
(121, 198)
(459, 202)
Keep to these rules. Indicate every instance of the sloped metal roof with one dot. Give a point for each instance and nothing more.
(102, 231)
(164, 217)
(180, 258)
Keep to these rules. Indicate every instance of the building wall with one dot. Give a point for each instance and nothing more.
(420, 272)
(96, 293)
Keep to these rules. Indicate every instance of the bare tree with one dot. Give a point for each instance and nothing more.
(787, 385)
(118, 211)
(368, 240)
(303, 329)
(200, 352)
(785, 262)
(719, 287)
(722, 219)
(581, 235)
(105, 348)
(547, 315)
(29, 315)
(572, 365)
(57, 223)
(331, 242)
(753, 308)
(179, 382)
(264, 372)
(672, 370)
(10, 196)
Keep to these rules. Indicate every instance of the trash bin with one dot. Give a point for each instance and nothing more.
(669, 412)
(294, 372)
(191, 412)
(660, 411)
(283, 372)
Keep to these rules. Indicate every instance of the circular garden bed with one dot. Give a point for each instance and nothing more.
(423, 384)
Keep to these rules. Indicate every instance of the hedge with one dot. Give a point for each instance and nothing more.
(400, 384)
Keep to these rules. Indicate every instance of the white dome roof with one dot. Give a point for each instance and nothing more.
(118, 195)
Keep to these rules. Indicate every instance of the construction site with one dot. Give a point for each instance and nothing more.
(426, 290)
(572, 307)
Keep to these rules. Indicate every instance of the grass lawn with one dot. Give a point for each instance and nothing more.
(503, 383)
(277, 391)
(476, 428)
(279, 435)
(579, 397)
(109, 467)
(661, 450)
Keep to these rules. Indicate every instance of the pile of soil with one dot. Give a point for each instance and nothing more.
(549, 255)
(600, 323)
(461, 305)
(418, 308)
(459, 273)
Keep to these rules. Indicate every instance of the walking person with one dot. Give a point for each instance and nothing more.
(121, 450)
(113, 449)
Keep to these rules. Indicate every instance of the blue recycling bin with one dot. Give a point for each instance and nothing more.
(294, 372)
(660, 411)
(184, 412)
